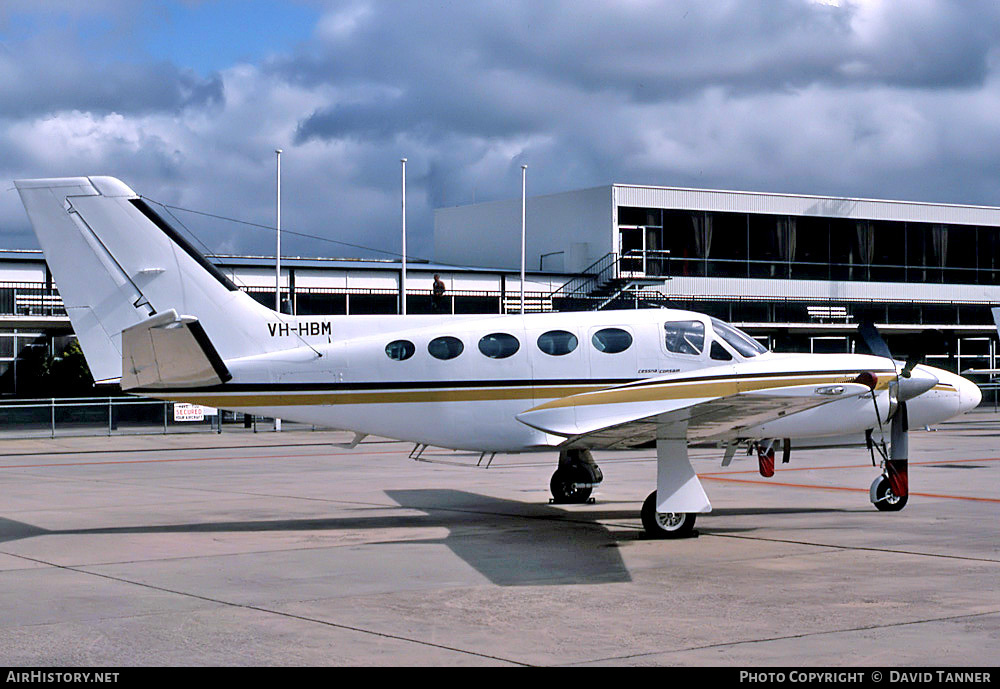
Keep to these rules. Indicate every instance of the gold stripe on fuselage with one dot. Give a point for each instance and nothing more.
(565, 395)
(695, 390)
(326, 397)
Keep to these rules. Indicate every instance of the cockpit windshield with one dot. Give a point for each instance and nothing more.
(737, 339)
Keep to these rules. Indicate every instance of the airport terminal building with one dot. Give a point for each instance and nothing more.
(797, 272)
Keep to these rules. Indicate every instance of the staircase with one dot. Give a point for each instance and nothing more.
(605, 283)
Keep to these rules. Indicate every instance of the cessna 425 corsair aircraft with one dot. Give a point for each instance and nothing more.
(154, 314)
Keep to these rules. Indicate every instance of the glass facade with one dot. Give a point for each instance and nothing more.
(757, 245)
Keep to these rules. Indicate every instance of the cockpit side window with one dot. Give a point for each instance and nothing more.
(720, 353)
(737, 339)
(684, 337)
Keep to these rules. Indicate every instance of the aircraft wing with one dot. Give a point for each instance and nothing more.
(712, 408)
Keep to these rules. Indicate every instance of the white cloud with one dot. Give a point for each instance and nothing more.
(869, 99)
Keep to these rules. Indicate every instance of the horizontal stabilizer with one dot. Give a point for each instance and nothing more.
(167, 351)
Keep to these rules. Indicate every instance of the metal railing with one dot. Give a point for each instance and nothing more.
(94, 416)
(590, 276)
(30, 299)
(777, 268)
(607, 279)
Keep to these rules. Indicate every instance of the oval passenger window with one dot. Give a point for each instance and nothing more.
(499, 345)
(612, 340)
(446, 347)
(557, 342)
(400, 350)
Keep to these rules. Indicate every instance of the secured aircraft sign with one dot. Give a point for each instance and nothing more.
(192, 412)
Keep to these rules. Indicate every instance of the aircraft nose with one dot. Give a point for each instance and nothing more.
(969, 395)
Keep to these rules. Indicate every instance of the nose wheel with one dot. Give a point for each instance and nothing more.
(665, 524)
(890, 490)
(884, 498)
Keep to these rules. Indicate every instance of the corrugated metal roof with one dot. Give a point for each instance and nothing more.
(792, 204)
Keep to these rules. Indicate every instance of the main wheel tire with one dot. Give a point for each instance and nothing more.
(564, 485)
(665, 524)
(884, 498)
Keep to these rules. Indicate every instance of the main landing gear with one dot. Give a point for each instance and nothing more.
(576, 477)
(665, 524)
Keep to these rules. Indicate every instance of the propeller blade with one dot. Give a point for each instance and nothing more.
(873, 340)
(910, 382)
(911, 363)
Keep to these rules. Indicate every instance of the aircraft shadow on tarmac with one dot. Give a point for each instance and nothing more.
(509, 542)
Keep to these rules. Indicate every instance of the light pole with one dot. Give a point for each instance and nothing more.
(277, 253)
(402, 275)
(524, 169)
(277, 261)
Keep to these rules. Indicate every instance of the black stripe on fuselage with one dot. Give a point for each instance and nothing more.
(512, 383)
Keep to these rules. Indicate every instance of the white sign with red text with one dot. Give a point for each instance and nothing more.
(192, 412)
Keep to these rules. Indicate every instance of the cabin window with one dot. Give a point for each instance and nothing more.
(446, 347)
(400, 350)
(737, 339)
(557, 342)
(719, 353)
(684, 337)
(499, 345)
(612, 340)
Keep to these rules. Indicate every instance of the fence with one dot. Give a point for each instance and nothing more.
(52, 417)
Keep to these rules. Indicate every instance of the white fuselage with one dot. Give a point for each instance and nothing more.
(335, 371)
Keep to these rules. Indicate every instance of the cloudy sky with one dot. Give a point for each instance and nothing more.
(186, 102)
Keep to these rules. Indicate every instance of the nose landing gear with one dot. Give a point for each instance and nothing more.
(890, 491)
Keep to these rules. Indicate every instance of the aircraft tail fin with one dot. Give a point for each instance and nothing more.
(117, 263)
